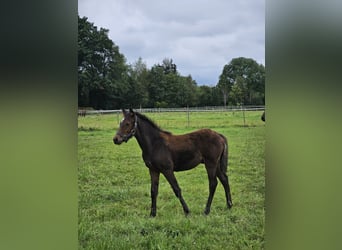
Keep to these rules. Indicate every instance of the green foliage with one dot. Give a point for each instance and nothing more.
(105, 81)
(101, 67)
(114, 189)
(138, 84)
(239, 91)
(169, 66)
(167, 88)
(250, 78)
(208, 96)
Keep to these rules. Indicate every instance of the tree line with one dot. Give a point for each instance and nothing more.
(107, 81)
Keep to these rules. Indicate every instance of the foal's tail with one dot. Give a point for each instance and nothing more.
(224, 155)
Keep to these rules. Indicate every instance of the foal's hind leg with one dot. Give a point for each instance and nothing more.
(154, 191)
(211, 170)
(224, 180)
(169, 175)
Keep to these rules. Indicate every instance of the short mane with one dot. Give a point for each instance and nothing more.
(152, 123)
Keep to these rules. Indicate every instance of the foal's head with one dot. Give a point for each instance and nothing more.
(127, 128)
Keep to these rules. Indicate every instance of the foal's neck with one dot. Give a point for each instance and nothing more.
(146, 136)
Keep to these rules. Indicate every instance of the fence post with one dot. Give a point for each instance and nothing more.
(244, 119)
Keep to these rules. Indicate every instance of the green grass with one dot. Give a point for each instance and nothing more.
(114, 188)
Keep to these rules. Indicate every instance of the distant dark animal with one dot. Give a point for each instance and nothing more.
(263, 117)
(165, 153)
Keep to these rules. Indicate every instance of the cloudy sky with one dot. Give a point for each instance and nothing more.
(200, 36)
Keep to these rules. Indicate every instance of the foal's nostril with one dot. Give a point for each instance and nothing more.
(116, 140)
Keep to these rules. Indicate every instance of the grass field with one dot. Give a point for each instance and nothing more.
(114, 188)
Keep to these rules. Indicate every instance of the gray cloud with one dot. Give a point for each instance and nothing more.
(200, 36)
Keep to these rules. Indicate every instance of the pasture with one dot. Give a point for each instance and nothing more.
(114, 188)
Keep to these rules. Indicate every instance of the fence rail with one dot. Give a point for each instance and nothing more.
(84, 112)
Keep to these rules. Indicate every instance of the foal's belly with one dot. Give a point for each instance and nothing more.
(187, 161)
(184, 167)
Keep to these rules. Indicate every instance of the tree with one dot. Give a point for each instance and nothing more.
(156, 86)
(188, 91)
(138, 84)
(226, 81)
(238, 91)
(252, 75)
(167, 88)
(169, 66)
(204, 96)
(102, 69)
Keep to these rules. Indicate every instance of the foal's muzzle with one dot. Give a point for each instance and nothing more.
(118, 139)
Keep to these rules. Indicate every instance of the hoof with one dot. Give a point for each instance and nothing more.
(230, 204)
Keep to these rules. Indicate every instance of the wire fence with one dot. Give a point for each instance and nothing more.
(84, 112)
(195, 117)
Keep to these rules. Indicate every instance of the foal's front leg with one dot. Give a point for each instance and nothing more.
(154, 191)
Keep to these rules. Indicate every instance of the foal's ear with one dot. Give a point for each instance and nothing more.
(131, 111)
(123, 112)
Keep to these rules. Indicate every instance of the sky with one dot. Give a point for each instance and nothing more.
(199, 36)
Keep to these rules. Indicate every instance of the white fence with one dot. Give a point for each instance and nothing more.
(84, 112)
